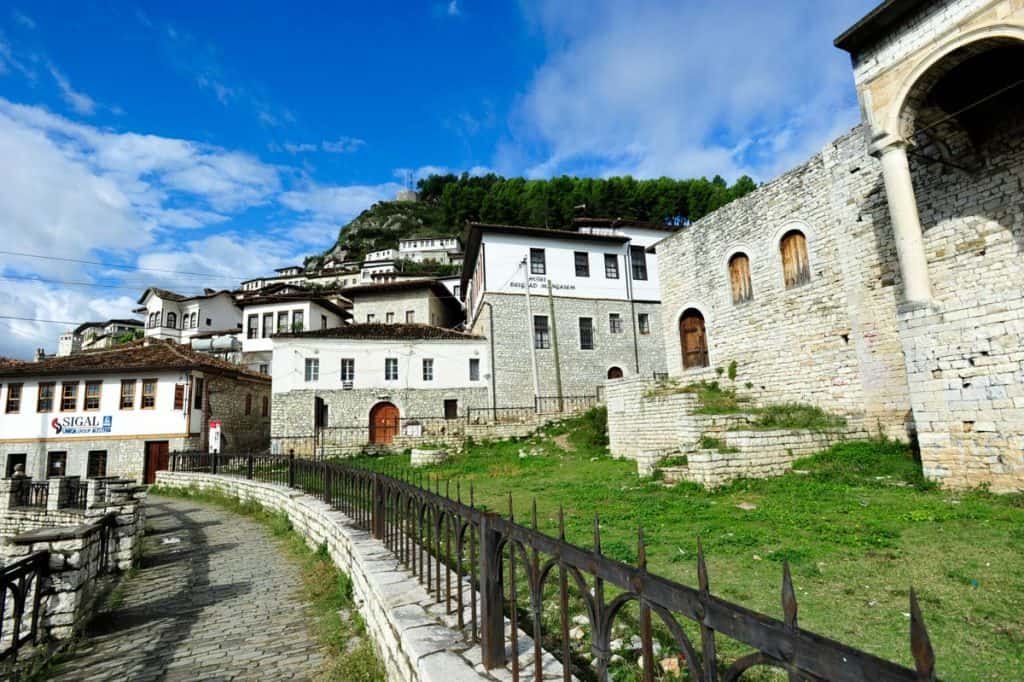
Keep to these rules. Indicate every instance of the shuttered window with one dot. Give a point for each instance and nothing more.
(796, 266)
(179, 396)
(739, 277)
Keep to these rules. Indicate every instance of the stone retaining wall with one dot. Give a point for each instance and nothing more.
(414, 637)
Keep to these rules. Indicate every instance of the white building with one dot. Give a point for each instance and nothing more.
(268, 315)
(442, 250)
(422, 300)
(378, 265)
(93, 335)
(178, 318)
(376, 375)
(593, 310)
(121, 411)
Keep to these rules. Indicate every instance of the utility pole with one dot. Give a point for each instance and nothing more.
(554, 347)
(529, 322)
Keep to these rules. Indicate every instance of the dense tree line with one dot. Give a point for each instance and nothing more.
(555, 202)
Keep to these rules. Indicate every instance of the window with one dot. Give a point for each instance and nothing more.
(348, 369)
(268, 325)
(253, 327)
(248, 404)
(197, 397)
(264, 368)
(148, 394)
(44, 399)
(154, 319)
(172, 320)
(56, 464)
(796, 266)
(643, 321)
(13, 398)
(13, 460)
(179, 396)
(391, 369)
(69, 396)
(582, 260)
(312, 369)
(323, 322)
(266, 406)
(127, 394)
(428, 369)
(451, 408)
(93, 390)
(739, 277)
(541, 333)
(537, 264)
(298, 321)
(410, 316)
(638, 262)
(693, 339)
(614, 323)
(389, 318)
(209, 322)
(611, 266)
(96, 464)
(282, 322)
(455, 291)
(195, 320)
(474, 369)
(586, 333)
(369, 318)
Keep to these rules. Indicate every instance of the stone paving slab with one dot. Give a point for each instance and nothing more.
(215, 599)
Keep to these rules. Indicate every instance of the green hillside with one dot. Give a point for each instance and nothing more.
(447, 202)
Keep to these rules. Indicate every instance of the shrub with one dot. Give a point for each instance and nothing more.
(796, 416)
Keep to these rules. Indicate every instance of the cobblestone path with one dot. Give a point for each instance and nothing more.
(214, 600)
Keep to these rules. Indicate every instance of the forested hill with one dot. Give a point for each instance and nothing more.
(447, 202)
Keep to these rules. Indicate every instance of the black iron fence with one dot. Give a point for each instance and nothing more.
(29, 493)
(485, 568)
(20, 594)
(77, 494)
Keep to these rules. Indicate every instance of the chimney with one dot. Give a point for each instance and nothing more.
(207, 291)
(40, 354)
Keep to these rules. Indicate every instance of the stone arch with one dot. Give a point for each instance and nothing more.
(899, 120)
(384, 419)
(615, 372)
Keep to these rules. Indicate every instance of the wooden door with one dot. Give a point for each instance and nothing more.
(383, 423)
(157, 459)
(693, 339)
(451, 409)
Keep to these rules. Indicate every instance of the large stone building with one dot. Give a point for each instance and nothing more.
(419, 300)
(884, 277)
(119, 412)
(565, 310)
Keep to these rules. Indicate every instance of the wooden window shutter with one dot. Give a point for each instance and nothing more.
(739, 276)
(796, 266)
(179, 396)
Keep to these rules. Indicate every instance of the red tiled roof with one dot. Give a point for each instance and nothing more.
(142, 355)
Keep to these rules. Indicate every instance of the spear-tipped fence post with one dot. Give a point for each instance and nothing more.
(789, 611)
(707, 635)
(378, 507)
(492, 616)
(920, 643)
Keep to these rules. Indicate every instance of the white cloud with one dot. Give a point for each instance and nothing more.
(80, 102)
(338, 203)
(453, 8)
(652, 88)
(23, 19)
(343, 145)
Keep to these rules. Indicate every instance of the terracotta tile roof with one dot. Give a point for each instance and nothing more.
(410, 332)
(8, 362)
(141, 355)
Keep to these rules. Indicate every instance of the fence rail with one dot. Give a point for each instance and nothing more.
(476, 562)
(29, 493)
(20, 594)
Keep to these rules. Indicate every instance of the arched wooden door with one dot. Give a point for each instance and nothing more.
(614, 372)
(383, 423)
(693, 339)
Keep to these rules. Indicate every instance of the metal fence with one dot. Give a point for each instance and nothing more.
(29, 493)
(485, 568)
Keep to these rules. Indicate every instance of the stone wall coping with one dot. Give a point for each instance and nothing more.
(60, 533)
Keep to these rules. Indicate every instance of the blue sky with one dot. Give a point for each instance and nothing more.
(225, 139)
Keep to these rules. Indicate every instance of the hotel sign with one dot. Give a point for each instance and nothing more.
(81, 426)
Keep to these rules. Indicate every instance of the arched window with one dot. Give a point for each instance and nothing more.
(614, 372)
(693, 339)
(194, 321)
(172, 320)
(739, 276)
(796, 266)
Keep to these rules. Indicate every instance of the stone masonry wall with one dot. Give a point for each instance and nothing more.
(125, 456)
(583, 372)
(226, 399)
(414, 637)
(832, 342)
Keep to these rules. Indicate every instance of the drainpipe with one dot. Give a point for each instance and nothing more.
(554, 347)
(632, 308)
(494, 366)
(529, 322)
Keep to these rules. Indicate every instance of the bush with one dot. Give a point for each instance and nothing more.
(796, 416)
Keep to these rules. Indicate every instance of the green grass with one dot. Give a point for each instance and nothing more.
(795, 416)
(327, 590)
(858, 528)
(709, 443)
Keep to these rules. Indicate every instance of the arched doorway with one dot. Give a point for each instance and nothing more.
(614, 372)
(693, 339)
(383, 423)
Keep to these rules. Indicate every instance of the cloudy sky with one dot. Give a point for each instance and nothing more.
(197, 144)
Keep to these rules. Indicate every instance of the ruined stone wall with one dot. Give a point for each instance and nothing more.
(583, 372)
(833, 341)
(226, 398)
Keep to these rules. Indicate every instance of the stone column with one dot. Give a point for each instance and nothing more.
(906, 223)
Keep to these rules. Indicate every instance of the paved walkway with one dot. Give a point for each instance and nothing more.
(214, 600)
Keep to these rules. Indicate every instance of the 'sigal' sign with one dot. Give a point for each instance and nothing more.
(80, 426)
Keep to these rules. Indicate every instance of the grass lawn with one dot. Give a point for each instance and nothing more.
(859, 528)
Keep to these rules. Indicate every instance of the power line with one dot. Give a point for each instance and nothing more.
(42, 280)
(36, 319)
(129, 268)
